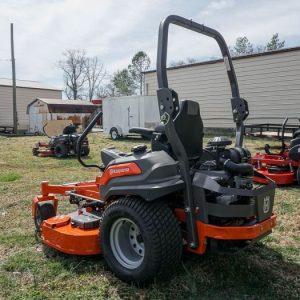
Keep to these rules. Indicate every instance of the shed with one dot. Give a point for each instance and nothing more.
(27, 91)
(42, 110)
(269, 81)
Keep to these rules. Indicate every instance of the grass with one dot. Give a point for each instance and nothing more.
(10, 177)
(28, 270)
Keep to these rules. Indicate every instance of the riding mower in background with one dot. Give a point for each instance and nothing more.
(282, 167)
(150, 205)
(63, 145)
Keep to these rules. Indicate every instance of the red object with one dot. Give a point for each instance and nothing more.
(97, 101)
(120, 170)
(263, 162)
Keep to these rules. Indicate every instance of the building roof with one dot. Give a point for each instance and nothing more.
(28, 84)
(233, 58)
(66, 106)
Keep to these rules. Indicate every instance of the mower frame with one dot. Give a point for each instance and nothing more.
(146, 178)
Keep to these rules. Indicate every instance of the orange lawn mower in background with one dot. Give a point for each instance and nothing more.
(283, 166)
(151, 204)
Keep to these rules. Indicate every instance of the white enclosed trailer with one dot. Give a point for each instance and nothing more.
(122, 113)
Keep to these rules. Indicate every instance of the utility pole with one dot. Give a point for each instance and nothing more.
(14, 88)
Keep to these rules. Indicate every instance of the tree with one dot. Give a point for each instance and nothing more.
(275, 43)
(95, 73)
(123, 83)
(139, 64)
(177, 63)
(73, 66)
(191, 60)
(181, 62)
(107, 90)
(242, 47)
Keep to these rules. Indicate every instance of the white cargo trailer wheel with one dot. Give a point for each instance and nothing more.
(114, 134)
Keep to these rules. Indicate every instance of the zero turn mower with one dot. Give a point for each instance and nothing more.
(150, 205)
(63, 145)
(282, 167)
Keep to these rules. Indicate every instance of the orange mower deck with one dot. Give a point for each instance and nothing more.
(58, 232)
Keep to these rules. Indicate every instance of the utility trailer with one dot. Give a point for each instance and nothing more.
(271, 129)
(122, 113)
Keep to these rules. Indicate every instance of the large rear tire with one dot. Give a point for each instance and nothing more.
(85, 151)
(140, 240)
(60, 150)
(298, 175)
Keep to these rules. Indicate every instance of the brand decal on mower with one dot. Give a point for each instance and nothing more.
(125, 169)
(266, 206)
(118, 171)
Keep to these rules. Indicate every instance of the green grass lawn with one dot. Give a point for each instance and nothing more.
(267, 270)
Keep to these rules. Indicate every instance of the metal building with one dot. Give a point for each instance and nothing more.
(27, 91)
(269, 81)
(42, 110)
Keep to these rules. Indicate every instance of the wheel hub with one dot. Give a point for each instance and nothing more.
(127, 243)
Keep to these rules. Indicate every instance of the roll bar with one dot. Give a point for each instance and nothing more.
(282, 133)
(239, 105)
(82, 137)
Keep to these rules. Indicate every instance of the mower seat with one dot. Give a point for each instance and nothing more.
(189, 128)
(296, 134)
(294, 142)
(294, 149)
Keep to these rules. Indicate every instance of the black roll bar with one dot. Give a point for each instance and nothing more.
(86, 131)
(191, 25)
(169, 107)
(239, 106)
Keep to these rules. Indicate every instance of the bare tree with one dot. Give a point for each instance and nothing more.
(95, 73)
(107, 90)
(73, 66)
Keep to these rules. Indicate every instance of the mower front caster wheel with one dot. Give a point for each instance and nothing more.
(140, 240)
(44, 210)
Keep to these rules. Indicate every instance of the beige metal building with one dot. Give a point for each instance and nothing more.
(27, 91)
(269, 81)
(43, 110)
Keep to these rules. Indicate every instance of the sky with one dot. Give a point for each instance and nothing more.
(115, 30)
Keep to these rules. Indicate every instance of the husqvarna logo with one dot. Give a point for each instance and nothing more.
(118, 171)
(266, 206)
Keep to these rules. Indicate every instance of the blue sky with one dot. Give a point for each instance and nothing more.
(115, 30)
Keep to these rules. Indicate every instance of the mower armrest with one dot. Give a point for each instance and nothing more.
(145, 132)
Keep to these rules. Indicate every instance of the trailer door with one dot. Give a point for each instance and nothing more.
(133, 112)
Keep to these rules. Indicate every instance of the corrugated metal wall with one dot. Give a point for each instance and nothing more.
(24, 97)
(270, 84)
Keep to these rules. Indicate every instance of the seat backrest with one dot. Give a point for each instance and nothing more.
(189, 127)
(294, 142)
(296, 134)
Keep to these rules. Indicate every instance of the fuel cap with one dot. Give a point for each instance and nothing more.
(139, 149)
